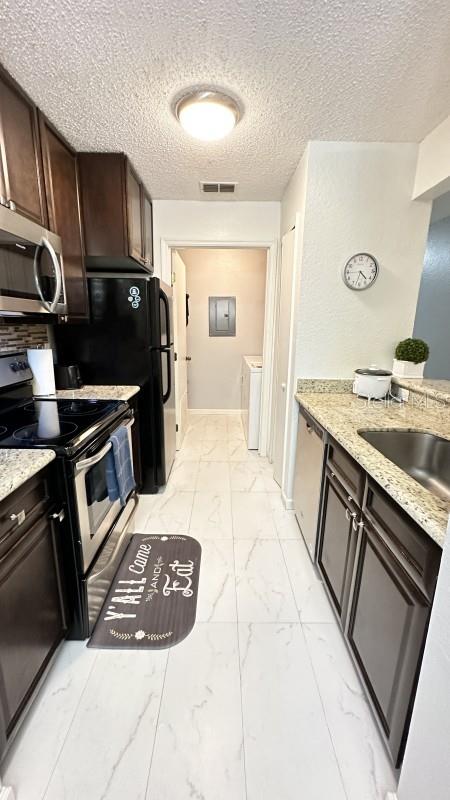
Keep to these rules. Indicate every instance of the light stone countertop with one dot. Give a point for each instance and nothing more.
(17, 466)
(99, 393)
(342, 415)
(437, 389)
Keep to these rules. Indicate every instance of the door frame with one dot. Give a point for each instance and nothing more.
(291, 411)
(179, 416)
(270, 305)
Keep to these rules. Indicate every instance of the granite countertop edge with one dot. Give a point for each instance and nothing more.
(430, 512)
(436, 389)
(18, 466)
(90, 392)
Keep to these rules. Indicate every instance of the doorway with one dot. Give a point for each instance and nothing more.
(209, 363)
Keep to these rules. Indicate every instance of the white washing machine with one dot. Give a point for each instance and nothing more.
(251, 399)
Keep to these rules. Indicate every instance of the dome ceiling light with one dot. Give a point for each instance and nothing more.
(207, 115)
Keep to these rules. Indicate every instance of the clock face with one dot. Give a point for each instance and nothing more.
(360, 271)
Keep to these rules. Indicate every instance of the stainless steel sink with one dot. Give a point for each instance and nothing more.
(424, 456)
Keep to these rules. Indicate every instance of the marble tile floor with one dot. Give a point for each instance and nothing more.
(260, 702)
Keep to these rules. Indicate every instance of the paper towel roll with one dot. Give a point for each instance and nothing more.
(41, 363)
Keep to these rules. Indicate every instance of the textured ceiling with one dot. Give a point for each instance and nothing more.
(106, 72)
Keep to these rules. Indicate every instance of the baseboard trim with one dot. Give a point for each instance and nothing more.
(213, 411)
(6, 793)
(288, 502)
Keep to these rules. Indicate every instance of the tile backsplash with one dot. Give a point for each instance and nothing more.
(19, 337)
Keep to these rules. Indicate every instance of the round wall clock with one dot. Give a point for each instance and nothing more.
(360, 271)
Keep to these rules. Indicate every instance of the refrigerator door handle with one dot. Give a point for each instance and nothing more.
(165, 300)
(167, 352)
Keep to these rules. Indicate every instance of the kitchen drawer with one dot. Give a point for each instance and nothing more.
(21, 509)
(419, 555)
(349, 473)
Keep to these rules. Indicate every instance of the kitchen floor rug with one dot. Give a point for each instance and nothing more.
(152, 601)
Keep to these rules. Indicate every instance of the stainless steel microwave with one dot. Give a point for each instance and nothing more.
(31, 274)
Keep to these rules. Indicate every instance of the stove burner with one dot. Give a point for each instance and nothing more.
(82, 407)
(3, 429)
(30, 433)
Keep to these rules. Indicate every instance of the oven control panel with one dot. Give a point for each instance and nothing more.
(14, 368)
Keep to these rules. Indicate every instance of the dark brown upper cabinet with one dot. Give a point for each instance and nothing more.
(147, 213)
(63, 207)
(116, 212)
(21, 176)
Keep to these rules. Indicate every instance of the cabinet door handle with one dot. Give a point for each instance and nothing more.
(58, 515)
(350, 515)
(19, 517)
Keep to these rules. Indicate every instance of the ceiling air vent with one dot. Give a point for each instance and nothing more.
(210, 187)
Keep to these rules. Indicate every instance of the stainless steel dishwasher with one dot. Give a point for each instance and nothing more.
(308, 475)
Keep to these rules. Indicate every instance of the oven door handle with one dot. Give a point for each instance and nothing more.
(89, 462)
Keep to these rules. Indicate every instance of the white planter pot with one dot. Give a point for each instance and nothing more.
(407, 369)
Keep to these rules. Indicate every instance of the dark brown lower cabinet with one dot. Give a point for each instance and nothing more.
(337, 541)
(32, 617)
(380, 570)
(386, 631)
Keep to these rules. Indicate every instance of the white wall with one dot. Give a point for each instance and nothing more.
(351, 197)
(294, 197)
(425, 773)
(194, 222)
(214, 372)
(293, 213)
(358, 198)
(433, 163)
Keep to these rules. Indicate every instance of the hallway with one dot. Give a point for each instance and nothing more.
(260, 702)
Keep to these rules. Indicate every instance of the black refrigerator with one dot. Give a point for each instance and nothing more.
(129, 340)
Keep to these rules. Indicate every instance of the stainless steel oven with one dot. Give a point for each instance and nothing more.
(96, 512)
(31, 273)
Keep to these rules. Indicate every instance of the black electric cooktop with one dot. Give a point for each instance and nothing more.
(62, 425)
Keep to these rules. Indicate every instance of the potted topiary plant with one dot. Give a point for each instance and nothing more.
(410, 358)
